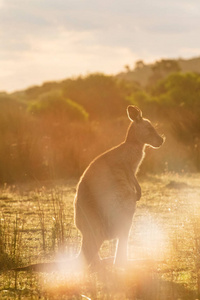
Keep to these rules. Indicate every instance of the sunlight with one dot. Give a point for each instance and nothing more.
(68, 265)
(61, 283)
(67, 275)
(151, 240)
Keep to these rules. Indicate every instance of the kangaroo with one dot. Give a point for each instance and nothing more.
(107, 193)
(108, 190)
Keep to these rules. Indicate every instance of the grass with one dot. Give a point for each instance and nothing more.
(36, 225)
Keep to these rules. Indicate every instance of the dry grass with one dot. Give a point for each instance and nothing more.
(36, 225)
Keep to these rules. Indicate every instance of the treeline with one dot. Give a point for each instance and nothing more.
(53, 131)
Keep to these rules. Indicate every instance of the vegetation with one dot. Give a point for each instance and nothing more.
(50, 133)
(53, 131)
(54, 105)
(36, 225)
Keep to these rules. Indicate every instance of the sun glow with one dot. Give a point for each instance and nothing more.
(59, 283)
(151, 240)
(66, 278)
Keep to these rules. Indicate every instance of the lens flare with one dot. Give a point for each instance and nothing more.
(67, 277)
(60, 283)
(151, 240)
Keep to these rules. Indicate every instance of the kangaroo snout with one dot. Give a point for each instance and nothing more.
(162, 139)
(159, 141)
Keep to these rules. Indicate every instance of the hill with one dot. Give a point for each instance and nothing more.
(143, 73)
(54, 130)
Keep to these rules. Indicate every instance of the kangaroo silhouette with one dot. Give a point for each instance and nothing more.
(107, 192)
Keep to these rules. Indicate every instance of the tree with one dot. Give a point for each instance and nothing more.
(99, 94)
(127, 68)
(139, 64)
(179, 89)
(161, 69)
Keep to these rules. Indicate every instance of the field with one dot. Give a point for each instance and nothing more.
(36, 225)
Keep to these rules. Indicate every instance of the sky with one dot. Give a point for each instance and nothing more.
(51, 40)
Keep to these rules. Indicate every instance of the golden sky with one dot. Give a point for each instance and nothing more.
(44, 40)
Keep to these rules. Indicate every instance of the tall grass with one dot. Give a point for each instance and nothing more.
(37, 226)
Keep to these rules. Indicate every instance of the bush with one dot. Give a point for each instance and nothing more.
(54, 104)
(18, 152)
(101, 95)
(179, 90)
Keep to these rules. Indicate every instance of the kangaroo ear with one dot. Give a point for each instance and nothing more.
(134, 113)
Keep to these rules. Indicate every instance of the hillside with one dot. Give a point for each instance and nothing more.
(142, 73)
(54, 130)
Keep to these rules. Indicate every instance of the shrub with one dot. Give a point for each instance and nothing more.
(99, 94)
(55, 104)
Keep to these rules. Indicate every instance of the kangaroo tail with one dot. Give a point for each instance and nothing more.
(73, 264)
(40, 267)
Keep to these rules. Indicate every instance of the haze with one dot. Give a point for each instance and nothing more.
(44, 40)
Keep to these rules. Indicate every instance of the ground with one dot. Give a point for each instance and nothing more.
(36, 225)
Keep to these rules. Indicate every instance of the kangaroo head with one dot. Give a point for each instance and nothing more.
(143, 129)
